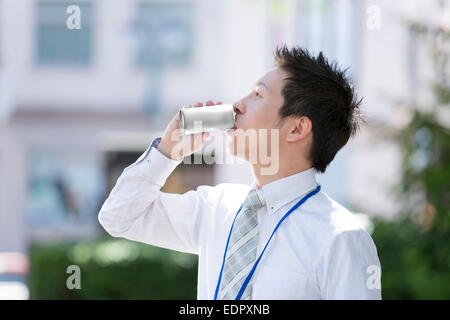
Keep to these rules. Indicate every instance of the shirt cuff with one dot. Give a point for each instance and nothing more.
(155, 166)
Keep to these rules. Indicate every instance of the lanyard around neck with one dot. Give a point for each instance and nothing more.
(244, 285)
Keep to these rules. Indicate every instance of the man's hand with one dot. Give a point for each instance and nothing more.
(176, 146)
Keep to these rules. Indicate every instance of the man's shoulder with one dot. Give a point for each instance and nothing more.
(325, 221)
(231, 187)
(330, 217)
(230, 194)
(226, 188)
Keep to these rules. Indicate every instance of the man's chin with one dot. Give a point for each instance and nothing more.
(231, 132)
(231, 149)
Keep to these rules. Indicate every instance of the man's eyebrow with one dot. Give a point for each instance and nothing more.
(259, 83)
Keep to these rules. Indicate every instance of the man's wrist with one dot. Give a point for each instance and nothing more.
(154, 165)
(166, 151)
(155, 142)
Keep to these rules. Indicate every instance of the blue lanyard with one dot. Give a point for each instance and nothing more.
(244, 285)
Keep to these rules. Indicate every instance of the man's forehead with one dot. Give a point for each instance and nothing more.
(273, 77)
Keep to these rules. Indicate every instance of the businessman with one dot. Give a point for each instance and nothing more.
(282, 237)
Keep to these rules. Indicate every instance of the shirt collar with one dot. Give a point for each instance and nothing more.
(280, 192)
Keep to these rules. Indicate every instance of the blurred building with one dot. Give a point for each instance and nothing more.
(77, 105)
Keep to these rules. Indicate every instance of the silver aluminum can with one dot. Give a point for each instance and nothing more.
(207, 118)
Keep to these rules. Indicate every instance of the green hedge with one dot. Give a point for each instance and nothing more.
(415, 263)
(112, 269)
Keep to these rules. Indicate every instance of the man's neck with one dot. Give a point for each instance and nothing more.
(284, 170)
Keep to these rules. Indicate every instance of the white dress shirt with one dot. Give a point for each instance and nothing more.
(320, 251)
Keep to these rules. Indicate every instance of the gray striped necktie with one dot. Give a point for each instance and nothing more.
(242, 248)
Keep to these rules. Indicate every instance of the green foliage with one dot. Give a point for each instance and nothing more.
(415, 263)
(414, 249)
(112, 269)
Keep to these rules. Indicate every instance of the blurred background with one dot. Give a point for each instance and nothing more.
(78, 103)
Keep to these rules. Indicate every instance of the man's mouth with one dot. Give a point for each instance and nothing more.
(234, 127)
(232, 130)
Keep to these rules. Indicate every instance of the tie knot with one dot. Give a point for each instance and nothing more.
(254, 200)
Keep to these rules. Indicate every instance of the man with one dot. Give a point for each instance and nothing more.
(319, 251)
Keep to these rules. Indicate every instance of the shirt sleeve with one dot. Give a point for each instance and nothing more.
(349, 268)
(137, 210)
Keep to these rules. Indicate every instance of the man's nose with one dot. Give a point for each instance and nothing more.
(239, 107)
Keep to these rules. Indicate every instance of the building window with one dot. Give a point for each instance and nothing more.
(331, 27)
(55, 43)
(164, 33)
(65, 189)
(185, 177)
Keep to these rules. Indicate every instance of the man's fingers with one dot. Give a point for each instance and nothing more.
(199, 104)
(197, 141)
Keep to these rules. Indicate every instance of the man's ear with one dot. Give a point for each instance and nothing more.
(299, 128)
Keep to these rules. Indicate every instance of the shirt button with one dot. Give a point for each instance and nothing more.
(149, 161)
